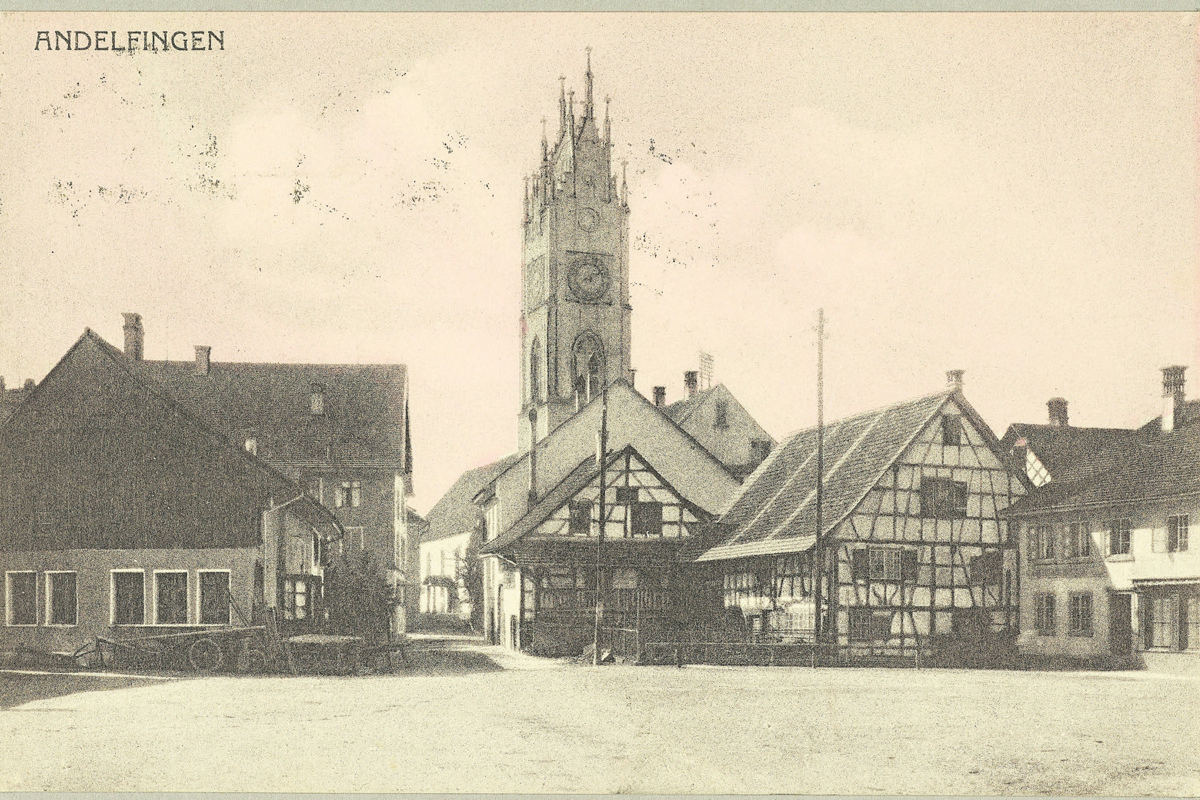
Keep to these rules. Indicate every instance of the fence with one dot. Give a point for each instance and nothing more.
(762, 652)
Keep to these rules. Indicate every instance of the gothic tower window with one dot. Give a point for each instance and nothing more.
(588, 367)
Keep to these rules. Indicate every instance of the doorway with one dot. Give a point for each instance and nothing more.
(1120, 623)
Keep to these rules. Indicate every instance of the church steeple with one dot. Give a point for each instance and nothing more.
(575, 313)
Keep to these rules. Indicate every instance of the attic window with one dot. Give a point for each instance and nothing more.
(317, 400)
(252, 445)
(951, 430)
(721, 420)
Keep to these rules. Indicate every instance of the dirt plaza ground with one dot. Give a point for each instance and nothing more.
(478, 719)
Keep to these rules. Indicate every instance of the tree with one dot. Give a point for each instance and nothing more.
(359, 598)
(469, 574)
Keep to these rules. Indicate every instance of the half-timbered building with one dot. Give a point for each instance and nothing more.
(897, 546)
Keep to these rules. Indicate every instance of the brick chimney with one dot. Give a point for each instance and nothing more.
(954, 379)
(1173, 397)
(660, 396)
(691, 379)
(1058, 412)
(135, 337)
(203, 364)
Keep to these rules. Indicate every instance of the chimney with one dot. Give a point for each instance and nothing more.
(691, 379)
(135, 337)
(954, 379)
(29, 384)
(1058, 412)
(660, 396)
(1173, 397)
(202, 359)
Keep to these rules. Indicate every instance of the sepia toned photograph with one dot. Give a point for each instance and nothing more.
(600, 403)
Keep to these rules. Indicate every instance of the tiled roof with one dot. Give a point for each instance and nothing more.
(1191, 413)
(554, 499)
(455, 513)
(1058, 447)
(680, 410)
(775, 511)
(364, 416)
(1147, 466)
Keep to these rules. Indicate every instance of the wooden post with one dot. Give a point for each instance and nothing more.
(819, 555)
(601, 456)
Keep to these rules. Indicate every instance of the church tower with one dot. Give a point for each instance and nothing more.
(575, 312)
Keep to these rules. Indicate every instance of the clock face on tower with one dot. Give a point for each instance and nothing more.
(588, 277)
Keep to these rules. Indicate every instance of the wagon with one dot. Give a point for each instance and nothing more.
(206, 650)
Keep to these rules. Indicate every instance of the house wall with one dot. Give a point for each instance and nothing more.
(502, 601)
(94, 591)
(440, 559)
(1104, 574)
(731, 442)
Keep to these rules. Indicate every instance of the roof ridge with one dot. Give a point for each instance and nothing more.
(878, 410)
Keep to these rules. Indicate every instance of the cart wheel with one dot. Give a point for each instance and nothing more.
(205, 655)
(253, 661)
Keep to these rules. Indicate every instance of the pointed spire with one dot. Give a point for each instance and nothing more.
(587, 109)
(607, 123)
(562, 105)
(545, 144)
(571, 112)
(624, 185)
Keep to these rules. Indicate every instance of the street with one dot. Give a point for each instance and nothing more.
(478, 719)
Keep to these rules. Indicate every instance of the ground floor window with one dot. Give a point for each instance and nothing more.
(171, 598)
(1191, 610)
(20, 598)
(740, 587)
(214, 597)
(1044, 617)
(869, 624)
(128, 597)
(62, 607)
(1081, 614)
(301, 594)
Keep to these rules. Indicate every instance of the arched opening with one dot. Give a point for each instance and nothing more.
(588, 366)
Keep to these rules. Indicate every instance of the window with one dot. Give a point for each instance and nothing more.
(214, 597)
(1119, 537)
(1177, 533)
(535, 371)
(943, 498)
(349, 494)
(870, 625)
(1191, 614)
(646, 519)
(721, 418)
(626, 495)
(740, 586)
(170, 598)
(986, 569)
(428, 562)
(952, 429)
(128, 597)
(1042, 543)
(492, 520)
(355, 537)
(1079, 540)
(20, 598)
(581, 517)
(252, 445)
(316, 401)
(1081, 614)
(62, 607)
(1162, 613)
(296, 597)
(883, 564)
(623, 578)
(1044, 615)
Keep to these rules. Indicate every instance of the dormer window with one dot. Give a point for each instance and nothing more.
(317, 400)
(251, 445)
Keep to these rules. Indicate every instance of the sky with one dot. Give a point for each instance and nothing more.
(1013, 195)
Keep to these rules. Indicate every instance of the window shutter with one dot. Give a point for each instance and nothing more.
(908, 566)
(1160, 540)
(859, 566)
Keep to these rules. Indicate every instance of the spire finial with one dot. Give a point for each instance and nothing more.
(587, 112)
(562, 103)
(545, 144)
(607, 124)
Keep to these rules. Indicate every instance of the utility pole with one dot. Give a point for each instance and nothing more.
(601, 457)
(819, 565)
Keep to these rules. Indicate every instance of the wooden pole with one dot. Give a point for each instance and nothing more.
(819, 555)
(602, 457)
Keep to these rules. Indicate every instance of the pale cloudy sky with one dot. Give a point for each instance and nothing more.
(1013, 195)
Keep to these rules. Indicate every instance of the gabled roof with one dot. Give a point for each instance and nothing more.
(364, 421)
(305, 507)
(1143, 467)
(1058, 447)
(1191, 413)
(553, 500)
(775, 510)
(681, 410)
(455, 513)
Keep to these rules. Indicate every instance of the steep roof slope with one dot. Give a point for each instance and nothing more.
(365, 416)
(1058, 447)
(1147, 466)
(455, 513)
(776, 512)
